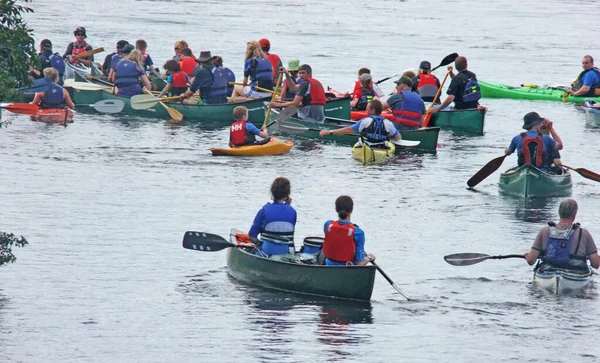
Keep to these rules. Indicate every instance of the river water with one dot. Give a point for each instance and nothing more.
(105, 201)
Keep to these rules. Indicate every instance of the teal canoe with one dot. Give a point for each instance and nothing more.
(428, 137)
(493, 90)
(528, 181)
(340, 282)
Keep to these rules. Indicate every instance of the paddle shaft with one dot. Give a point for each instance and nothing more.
(273, 98)
(427, 118)
(176, 115)
(588, 174)
(258, 88)
(468, 259)
(389, 280)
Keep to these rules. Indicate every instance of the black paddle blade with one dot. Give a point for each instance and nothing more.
(202, 241)
(447, 60)
(486, 171)
(465, 259)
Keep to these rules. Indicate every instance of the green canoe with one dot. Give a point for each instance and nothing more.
(471, 120)
(493, 90)
(528, 181)
(341, 282)
(308, 129)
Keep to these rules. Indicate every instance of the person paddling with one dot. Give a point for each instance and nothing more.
(54, 96)
(535, 148)
(344, 242)
(257, 69)
(276, 222)
(79, 46)
(425, 83)
(292, 80)
(242, 132)
(209, 81)
(587, 83)
(48, 59)
(464, 89)
(564, 244)
(375, 128)
(177, 80)
(364, 93)
(407, 107)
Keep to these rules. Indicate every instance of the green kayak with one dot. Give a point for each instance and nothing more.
(528, 181)
(493, 90)
(470, 120)
(428, 137)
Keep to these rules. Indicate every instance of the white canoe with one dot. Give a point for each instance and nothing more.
(592, 114)
(561, 281)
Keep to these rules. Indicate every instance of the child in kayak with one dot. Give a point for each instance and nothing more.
(243, 133)
(54, 96)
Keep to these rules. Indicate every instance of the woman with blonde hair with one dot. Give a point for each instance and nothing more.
(260, 72)
(54, 96)
(179, 46)
(128, 74)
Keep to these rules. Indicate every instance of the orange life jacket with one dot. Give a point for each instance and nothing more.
(78, 49)
(188, 65)
(339, 242)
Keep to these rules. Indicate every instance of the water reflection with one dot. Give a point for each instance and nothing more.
(533, 210)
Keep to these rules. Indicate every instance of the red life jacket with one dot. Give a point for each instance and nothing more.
(408, 112)
(179, 79)
(187, 65)
(317, 93)
(78, 49)
(238, 134)
(275, 60)
(339, 242)
(427, 86)
(538, 150)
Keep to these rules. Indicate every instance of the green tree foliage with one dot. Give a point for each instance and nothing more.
(16, 48)
(7, 241)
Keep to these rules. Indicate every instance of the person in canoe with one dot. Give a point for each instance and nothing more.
(357, 85)
(276, 222)
(564, 244)
(425, 83)
(54, 96)
(344, 242)
(265, 46)
(209, 81)
(79, 46)
(260, 72)
(587, 83)
(363, 93)
(375, 128)
(141, 45)
(292, 80)
(177, 80)
(114, 61)
(310, 94)
(108, 60)
(407, 107)
(535, 148)
(218, 62)
(129, 72)
(48, 59)
(179, 45)
(464, 89)
(242, 132)
(188, 62)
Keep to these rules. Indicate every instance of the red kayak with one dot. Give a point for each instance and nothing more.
(53, 115)
(357, 115)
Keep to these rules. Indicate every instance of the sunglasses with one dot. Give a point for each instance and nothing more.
(176, 48)
(79, 35)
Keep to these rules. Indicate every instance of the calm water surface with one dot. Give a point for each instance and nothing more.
(105, 201)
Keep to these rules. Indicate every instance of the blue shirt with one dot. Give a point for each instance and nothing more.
(274, 217)
(591, 79)
(170, 78)
(115, 60)
(359, 240)
(517, 144)
(251, 128)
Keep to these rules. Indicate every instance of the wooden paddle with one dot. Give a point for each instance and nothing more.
(467, 259)
(389, 280)
(437, 96)
(175, 115)
(486, 171)
(273, 99)
(588, 174)
(142, 102)
(88, 53)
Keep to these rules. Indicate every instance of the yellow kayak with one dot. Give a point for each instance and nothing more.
(365, 154)
(273, 147)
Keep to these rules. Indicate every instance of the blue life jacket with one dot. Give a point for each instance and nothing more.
(277, 231)
(230, 78)
(367, 95)
(558, 246)
(408, 112)
(126, 74)
(472, 92)
(57, 62)
(264, 73)
(53, 97)
(45, 60)
(219, 83)
(376, 132)
(592, 90)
